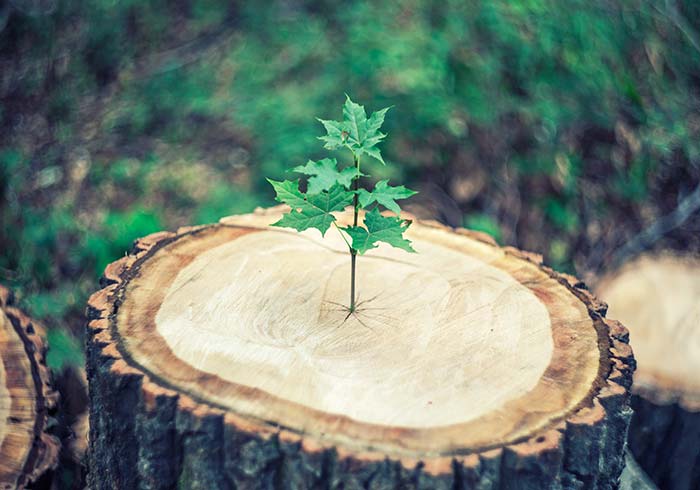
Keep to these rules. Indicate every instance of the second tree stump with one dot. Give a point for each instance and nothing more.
(658, 296)
(27, 451)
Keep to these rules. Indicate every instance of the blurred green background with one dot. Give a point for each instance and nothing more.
(563, 127)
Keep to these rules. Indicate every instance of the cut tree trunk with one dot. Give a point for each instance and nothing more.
(659, 298)
(27, 452)
(224, 357)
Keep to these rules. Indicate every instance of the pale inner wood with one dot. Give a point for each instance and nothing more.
(658, 299)
(440, 337)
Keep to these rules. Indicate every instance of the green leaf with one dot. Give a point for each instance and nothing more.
(336, 134)
(387, 229)
(324, 175)
(374, 136)
(355, 119)
(375, 122)
(311, 210)
(385, 195)
(374, 153)
(288, 192)
(356, 131)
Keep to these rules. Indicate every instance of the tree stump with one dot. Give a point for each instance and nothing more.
(27, 452)
(223, 357)
(659, 298)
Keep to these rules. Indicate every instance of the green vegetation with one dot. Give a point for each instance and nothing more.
(330, 190)
(561, 127)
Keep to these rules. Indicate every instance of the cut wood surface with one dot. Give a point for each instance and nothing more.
(465, 364)
(26, 451)
(658, 296)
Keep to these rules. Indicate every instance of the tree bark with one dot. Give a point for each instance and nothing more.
(666, 442)
(542, 378)
(27, 451)
(657, 295)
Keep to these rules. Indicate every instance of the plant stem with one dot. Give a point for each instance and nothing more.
(353, 260)
(342, 235)
(353, 252)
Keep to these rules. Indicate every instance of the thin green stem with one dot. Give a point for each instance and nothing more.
(353, 252)
(353, 261)
(356, 187)
(342, 235)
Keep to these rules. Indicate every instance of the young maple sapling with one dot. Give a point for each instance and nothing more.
(330, 189)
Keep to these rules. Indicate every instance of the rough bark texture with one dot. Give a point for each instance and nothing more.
(145, 435)
(665, 440)
(26, 457)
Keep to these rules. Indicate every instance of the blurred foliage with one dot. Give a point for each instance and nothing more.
(529, 120)
(483, 222)
(64, 351)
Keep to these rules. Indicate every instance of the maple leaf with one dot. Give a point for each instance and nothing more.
(363, 133)
(356, 131)
(288, 192)
(336, 134)
(355, 119)
(310, 210)
(385, 195)
(387, 229)
(373, 135)
(324, 175)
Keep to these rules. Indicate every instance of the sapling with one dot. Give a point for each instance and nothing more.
(330, 189)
